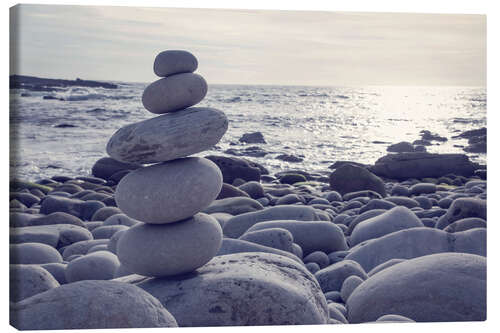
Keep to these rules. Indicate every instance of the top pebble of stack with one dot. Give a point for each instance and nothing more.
(179, 88)
(174, 62)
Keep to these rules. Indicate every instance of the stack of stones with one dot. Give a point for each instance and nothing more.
(168, 194)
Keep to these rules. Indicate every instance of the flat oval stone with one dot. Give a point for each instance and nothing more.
(169, 136)
(169, 192)
(174, 62)
(175, 92)
(170, 249)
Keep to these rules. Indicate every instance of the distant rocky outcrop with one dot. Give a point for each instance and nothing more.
(44, 84)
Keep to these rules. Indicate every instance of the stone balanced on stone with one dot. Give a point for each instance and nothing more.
(168, 196)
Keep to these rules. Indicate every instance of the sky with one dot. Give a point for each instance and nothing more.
(251, 46)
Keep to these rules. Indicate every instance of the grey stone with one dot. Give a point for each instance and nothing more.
(232, 246)
(348, 286)
(169, 192)
(335, 314)
(433, 288)
(312, 267)
(106, 167)
(403, 201)
(174, 62)
(422, 188)
(222, 218)
(466, 224)
(170, 249)
(113, 241)
(401, 147)
(417, 242)
(175, 92)
(385, 265)
(105, 212)
(57, 270)
(99, 247)
(254, 137)
(357, 194)
(55, 235)
(333, 296)
(277, 238)
(242, 289)
(168, 137)
(403, 166)
(99, 265)
(376, 204)
(107, 231)
(462, 208)
(350, 178)
(33, 253)
(91, 305)
(289, 199)
(233, 168)
(297, 250)
(310, 235)
(75, 207)
(120, 219)
(332, 277)
(28, 280)
(233, 206)
(400, 190)
(230, 191)
(238, 225)
(318, 257)
(362, 217)
(81, 247)
(392, 318)
(254, 189)
(398, 218)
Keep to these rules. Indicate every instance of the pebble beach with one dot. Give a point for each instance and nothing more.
(167, 231)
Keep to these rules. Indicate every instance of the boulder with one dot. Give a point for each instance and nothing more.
(254, 189)
(401, 147)
(169, 192)
(237, 225)
(103, 213)
(232, 168)
(230, 191)
(254, 137)
(57, 270)
(33, 253)
(174, 62)
(99, 265)
(348, 286)
(350, 178)
(107, 231)
(434, 288)
(309, 235)
(420, 165)
(28, 280)
(91, 305)
(463, 208)
(169, 136)
(466, 224)
(232, 246)
(170, 249)
(395, 219)
(417, 242)
(277, 238)
(241, 289)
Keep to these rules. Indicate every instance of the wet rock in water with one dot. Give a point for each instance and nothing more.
(237, 225)
(142, 194)
(472, 133)
(289, 158)
(33, 253)
(332, 277)
(105, 167)
(174, 62)
(395, 219)
(339, 164)
(242, 289)
(427, 135)
(426, 289)
(99, 265)
(309, 235)
(28, 280)
(170, 249)
(253, 151)
(462, 208)
(175, 92)
(401, 147)
(254, 137)
(168, 137)
(416, 242)
(351, 178)
(91, 305)
(232, 168)
(403, 166)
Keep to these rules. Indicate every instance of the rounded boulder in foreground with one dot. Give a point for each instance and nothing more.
(434, 288)
(174, 93)
(169, 192)
(174, 62)
(168, 137)
(242, 289)
(91, 305)
(170, 249)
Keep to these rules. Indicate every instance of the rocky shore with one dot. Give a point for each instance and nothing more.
(155, 238)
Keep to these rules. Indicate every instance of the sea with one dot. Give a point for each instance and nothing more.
(320, 125)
